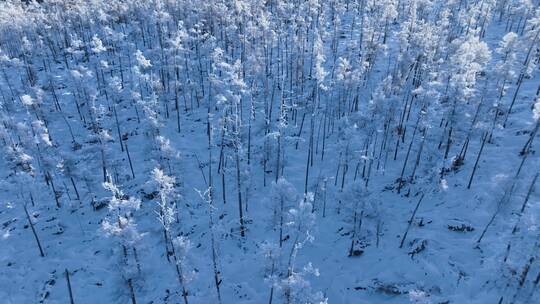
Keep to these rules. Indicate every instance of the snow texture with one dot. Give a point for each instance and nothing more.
(172, 151)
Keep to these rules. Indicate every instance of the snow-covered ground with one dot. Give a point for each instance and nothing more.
(462, 245)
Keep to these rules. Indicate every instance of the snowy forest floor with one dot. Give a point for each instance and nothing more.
(445, 257)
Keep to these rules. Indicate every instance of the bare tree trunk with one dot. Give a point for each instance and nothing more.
(129, 160)
(34, 231)
(217, 280)
(272, 288)
(278, 157)
(179, 273)
(132, 292)
(410, 221)
(118, 128)
(477, 160)
(400, 180)
(239, 189)
(71, 301)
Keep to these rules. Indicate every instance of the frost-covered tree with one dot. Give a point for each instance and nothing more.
(121, 225)
(295, 284)
(468, 61)
(507, 67)
(530, 62)
(178, 247)
(229, 87)
(283, 196)
(166, 203)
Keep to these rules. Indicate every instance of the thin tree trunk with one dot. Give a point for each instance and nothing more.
(129, 160)
(477, 160)
(34, 231)
(132, 292)
(71, 301)
(411, 221)
(239, 189)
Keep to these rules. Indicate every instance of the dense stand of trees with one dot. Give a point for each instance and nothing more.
(295, 98)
